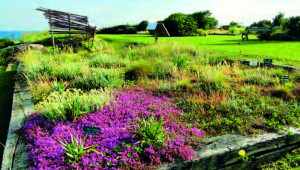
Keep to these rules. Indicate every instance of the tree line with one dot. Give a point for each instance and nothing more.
(179, 24)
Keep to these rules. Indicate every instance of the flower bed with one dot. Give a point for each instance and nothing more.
(117, 145)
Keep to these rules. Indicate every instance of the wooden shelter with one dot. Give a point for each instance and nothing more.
(68, 23)
(158, 30)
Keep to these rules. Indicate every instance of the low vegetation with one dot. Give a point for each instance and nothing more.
(4, 42)
(226, 47)
(156, 103)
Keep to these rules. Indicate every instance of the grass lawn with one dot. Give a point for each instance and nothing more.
(283, 52)
(6, 96)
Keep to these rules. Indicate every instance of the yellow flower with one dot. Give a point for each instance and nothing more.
(242, 153)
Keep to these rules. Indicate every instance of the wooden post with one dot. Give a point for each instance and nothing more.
(87, 25)
(51, 30)
(93, 37)
(156, 36)
(70, 29)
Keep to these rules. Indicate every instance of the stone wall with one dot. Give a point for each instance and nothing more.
(15, 150)
(222, 152)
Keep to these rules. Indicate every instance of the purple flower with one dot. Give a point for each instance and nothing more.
(46, 152)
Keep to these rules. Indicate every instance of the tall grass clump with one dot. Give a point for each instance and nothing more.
(259, 76)
(99, 78)
(214, 79)
(149, 69)
(71, 104)
(69, 71)
(160, 51)
(107, 61)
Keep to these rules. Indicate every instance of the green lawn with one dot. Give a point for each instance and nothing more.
(6, 96)
(283, 52)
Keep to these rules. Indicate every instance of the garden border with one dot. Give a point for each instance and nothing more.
(218, 153)
(14, 155)
(222, 152)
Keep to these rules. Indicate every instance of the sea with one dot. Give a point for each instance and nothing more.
(13, 35)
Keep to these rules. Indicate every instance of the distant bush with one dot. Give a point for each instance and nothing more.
(130, 30)
(262, 23)
(233, 31)
(280, 36)
(142, 26)
(201, 32)
(4, 42)
(293, 26)
(204, 20)
(179, 24)
(120, 29)
(234, 24)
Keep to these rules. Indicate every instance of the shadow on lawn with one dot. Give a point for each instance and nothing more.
(250, 42)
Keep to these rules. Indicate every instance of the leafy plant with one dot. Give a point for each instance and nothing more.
(233, 30)
(76, 149)
(138, 70)
(71, 104)
(150, 131)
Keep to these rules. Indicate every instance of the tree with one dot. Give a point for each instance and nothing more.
(204, 19)
(293, 26)
(142, 26)
(262, 23)
(234, 24)
(179, 24)
(279, 20)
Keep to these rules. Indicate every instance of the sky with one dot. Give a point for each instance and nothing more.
(21, 14)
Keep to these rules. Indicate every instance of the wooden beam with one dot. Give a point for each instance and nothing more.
(51, 27)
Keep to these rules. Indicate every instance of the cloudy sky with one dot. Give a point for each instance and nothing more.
(21, 14)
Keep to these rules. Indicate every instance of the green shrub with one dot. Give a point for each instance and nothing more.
(131, 30)
(139, 69)
(181, 61)
(233, 31)
(179, 24)
(3, 57)
(204, 20)
(293, 27)
(4, 42)
(71, 104)
(183, 84)
(162, 69)
(120, 29)
(142, 26)
(264, 36)
(2, 68)
(201, 32)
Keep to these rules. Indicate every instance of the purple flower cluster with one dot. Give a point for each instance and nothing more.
(117, 146)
